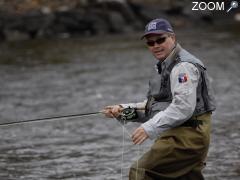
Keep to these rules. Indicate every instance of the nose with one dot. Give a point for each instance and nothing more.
(156, 44)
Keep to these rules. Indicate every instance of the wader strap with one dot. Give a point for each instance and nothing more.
(192, 123)
(148, 106)
(195, 121)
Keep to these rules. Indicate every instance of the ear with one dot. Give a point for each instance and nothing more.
(173, 37)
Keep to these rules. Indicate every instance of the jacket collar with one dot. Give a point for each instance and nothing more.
(161, 65)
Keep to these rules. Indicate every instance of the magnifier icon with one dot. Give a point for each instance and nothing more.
(234, 4)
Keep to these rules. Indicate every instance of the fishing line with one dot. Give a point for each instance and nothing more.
(138, 154)
(123, 146)
(124, 131)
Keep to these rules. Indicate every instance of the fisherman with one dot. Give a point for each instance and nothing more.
(177, 111)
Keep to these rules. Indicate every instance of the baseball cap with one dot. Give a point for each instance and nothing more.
(158, 26)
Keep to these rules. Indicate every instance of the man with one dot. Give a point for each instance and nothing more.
(177, 111)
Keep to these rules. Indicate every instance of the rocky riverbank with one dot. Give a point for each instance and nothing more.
(24, 19)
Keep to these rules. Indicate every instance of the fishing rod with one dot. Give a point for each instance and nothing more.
(127, 114)
(51, 118)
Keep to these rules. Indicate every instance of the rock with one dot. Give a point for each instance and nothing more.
(146, 13)
(32, 24)
(118, 16)
(39, 18)
(15, 35)
(117, 23)
(72, 22)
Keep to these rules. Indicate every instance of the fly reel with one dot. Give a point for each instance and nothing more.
(128, 114)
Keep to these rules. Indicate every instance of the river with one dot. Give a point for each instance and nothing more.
(48, 77)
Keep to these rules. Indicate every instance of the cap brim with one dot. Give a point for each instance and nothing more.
(153, 32)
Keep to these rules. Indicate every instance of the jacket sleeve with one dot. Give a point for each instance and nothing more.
(139, 105)
(184, 81)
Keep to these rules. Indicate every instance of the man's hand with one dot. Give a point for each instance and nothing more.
(139, 136)
(112, 111)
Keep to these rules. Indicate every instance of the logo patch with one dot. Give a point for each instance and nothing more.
(152, 26)
(182, 77)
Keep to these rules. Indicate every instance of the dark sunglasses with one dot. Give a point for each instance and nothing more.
(158, 41)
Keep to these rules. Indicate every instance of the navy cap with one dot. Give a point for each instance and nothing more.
(158, 26)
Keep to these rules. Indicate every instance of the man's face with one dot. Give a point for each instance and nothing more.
(160, 45)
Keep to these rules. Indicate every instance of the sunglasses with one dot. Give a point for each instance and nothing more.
(158, 41)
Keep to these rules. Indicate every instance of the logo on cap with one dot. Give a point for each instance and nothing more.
(152, 26)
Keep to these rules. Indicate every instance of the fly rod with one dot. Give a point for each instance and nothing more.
(51, 118)
(126, 114)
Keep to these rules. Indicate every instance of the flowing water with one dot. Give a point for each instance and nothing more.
(42, 78)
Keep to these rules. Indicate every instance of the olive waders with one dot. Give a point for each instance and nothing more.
(178, 153)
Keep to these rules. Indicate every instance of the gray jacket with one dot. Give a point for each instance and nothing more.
(179, 90)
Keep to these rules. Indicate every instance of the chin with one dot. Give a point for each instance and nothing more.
(161, 58)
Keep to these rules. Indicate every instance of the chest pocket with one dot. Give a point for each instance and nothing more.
(160, 88)
(155, 85)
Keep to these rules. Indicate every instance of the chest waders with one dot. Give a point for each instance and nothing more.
(178, 153)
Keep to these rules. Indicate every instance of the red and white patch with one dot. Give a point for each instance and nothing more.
(182, 78)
